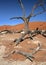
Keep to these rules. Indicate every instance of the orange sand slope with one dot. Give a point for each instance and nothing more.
(32, 25)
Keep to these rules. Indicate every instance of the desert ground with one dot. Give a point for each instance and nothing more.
(7, 45)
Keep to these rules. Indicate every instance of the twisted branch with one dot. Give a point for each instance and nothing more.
(16, 18)
(22, 6)
(39, 13)
(41, 3)
(26, 54)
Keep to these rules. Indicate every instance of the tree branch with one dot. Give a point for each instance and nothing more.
(22, 6)
(26, 54)
(39, 13)
(34, 7)
(41, 3)
(36, 49)
(16, 18)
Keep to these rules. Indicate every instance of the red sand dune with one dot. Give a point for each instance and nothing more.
(32, 25)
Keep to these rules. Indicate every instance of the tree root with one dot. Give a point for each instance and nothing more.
(31, 35)
(22, 38)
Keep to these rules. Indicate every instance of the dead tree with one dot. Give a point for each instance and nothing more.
(27, 19)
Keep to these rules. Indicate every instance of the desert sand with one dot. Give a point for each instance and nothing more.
(7, 45)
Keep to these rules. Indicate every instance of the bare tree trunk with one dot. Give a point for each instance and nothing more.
(26, 26)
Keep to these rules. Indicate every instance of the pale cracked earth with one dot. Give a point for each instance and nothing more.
(6, 45)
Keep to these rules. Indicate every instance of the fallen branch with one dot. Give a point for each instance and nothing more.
(26, 54)
(37, 31)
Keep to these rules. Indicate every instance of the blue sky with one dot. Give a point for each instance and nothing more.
(11, 8)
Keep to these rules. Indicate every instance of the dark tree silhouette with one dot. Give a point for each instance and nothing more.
(27, 19)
